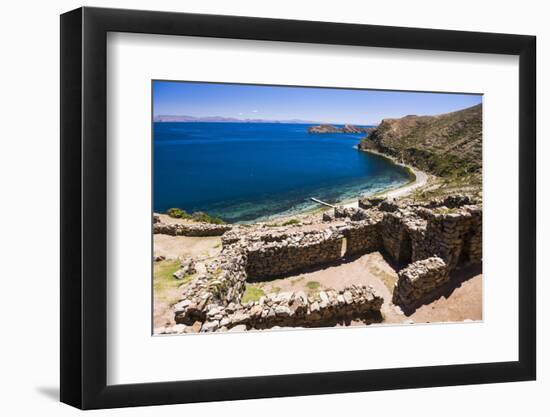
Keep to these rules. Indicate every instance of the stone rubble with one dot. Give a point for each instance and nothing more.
(187, 268)
(428, 240)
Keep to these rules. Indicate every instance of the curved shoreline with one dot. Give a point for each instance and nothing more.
(418, 179)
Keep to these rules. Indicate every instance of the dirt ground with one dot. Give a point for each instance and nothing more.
(179, 247)
(458, 304)
(174, 249)
(461, 302)
(464, 303)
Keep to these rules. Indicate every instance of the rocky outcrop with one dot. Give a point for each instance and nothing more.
(356, 129)
(447, 144)
(323, 129)
(333, 129)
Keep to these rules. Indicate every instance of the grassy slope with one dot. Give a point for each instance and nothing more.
(447, 145)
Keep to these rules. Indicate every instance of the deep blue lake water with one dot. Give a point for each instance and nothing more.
(246, 171)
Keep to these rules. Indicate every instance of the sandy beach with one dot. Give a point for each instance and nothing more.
(420, 179)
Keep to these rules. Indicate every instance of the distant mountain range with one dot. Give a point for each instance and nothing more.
(220, 119)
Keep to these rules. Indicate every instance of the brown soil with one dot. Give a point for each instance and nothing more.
(461, 302)
(175, 248)
(179, 247)
(458, 304)
(464, 303)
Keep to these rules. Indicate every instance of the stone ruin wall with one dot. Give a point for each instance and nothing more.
(189, 229)
(450, 233)
(431, 240)
(213, 299)
(293, 309)
(419, 280)
(276, 255)
(361, 237)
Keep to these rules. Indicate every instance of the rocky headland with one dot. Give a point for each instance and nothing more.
(447, 144)
(326, 128)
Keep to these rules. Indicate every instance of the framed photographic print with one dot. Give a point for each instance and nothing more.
(258, 208)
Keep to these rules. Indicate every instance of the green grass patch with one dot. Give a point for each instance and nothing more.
(165, 286)
(313, 285)
(252, 293)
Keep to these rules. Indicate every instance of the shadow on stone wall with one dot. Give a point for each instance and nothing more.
(426, 243)
(455, 281)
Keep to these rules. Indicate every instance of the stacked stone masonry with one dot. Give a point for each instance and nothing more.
(190, 229)
(293, 309)
(277, 254)
(419, 280)
(428, 240)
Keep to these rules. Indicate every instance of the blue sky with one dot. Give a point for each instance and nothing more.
(330, 105)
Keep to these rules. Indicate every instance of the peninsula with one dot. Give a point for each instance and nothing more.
(326, 128)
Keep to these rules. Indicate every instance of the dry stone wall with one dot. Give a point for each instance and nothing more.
(275, 254)
(361, 237)
(449, 230)
(213, 299)
(430, 239)
(419, 280)
(191, 229)
(294, 309)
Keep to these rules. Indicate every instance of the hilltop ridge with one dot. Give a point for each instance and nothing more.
(445, 145)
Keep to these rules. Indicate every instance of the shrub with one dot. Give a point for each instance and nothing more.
(200, 216)
(176, 213)
(291, 222)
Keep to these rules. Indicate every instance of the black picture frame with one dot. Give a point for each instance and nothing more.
(84, 207)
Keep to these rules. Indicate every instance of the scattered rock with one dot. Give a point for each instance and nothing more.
(238, 328)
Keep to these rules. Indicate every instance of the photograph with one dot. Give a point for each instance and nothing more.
(300, 207)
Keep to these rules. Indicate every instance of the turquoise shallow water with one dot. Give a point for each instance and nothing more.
(245, 172)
